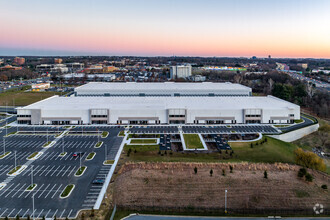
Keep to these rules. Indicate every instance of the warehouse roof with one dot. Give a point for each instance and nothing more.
(148, 102)
(166, 86)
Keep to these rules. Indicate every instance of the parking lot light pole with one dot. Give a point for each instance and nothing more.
(4, 145)
(225, 201)
(80, 160)
(15, 157)
(33, 207)
(105, 152)
(47, 135)
(63, 144)
(31, 175)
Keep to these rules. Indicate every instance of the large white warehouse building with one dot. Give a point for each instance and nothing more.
(162, 89)
(158, 110)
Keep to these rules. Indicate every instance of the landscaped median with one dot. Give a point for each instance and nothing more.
(108, 162)
(90, 156)
(17, 170)
(193, 141)
(98, 144)
(62, 154)
(31, 187)
(34, 156)
(104, 134)
(11, 133)
(121, 134)
(49, 144)
(5, 155)
(80, 171)
(67, 191)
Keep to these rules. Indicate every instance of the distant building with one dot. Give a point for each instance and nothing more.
(1, 61)
(19, 60)
(254, 57)
(108, 69)
(9, 67)
(58, 60)
(269, 57)
(199, 78)
(303, 65)
(183, 71)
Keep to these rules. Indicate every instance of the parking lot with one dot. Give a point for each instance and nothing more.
(52, 173)
(154, 129)
(225, 129)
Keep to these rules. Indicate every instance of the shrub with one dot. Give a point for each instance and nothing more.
(166, 152)
(231, 168)
(324, 186)
(129, 152)
(159, 152)
(135, 151)
(265, 174)
(195, 170)
(265, 139)
(251, 145)
(223, 172)
(43, 217)
(82, 216)
(257, 144)
(302, 172)
(6, 218)
(220, 152)
(28, 217)
(17, 217)
(309, 177)
(171, 152)
(226, 151)
(309, 160)
(211, 172)
(92, 213)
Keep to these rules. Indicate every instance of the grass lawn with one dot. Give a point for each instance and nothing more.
(192, 141)
(143, 141)
(31, 187)
(46, 144)
(21, 98)
(121, 133)
(67, 190)
(269, 152)
(14, 169)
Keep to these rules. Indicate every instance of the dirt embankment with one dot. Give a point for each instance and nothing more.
(172, 185)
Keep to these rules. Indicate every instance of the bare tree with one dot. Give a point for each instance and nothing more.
(310, 90)
(270, 83)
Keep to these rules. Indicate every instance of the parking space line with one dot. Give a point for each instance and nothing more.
(53, 171)
(3, 213)
(65, 171)
(43, 191)
(47, 213)
(50, 191)
(25, 213)
(55, 213)
(6, 188)
(56, 191)
(59, 172)
(18, 212)
(18, 191)
(40, 213)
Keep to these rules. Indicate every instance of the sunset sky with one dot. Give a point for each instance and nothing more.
(281, 28)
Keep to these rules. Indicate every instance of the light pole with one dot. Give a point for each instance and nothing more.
(31, 175)
(63, 144)
(225, 201)
(80, 160)
(105, 152)
(47, 135)
(15, 158)
(4, 145)
(33, 206)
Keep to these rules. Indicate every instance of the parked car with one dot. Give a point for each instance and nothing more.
(78, 154)
(98, 181)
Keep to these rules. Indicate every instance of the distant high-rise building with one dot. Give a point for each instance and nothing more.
(303, 65)
(269, 57)
(254, 57)
(58, 60)
(183, 71)
(19, 60)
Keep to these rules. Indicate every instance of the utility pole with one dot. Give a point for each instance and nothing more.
(63, 144)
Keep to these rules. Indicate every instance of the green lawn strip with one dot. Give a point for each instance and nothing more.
(11, 133)
(141, 148)
(15, 169)
(193, 141)
(143, 141)
(121, 133)
(80, 171)
(59, 134)
(63, 154)
(5, 154)
(23, 98)
(104, 134)
(31, 187)
(98, 144)
(90, 156)
(281, 126)
(46, 144)
(67, 191)
(33, 155)
(144, 136)
(297, 121)
(108, 162)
